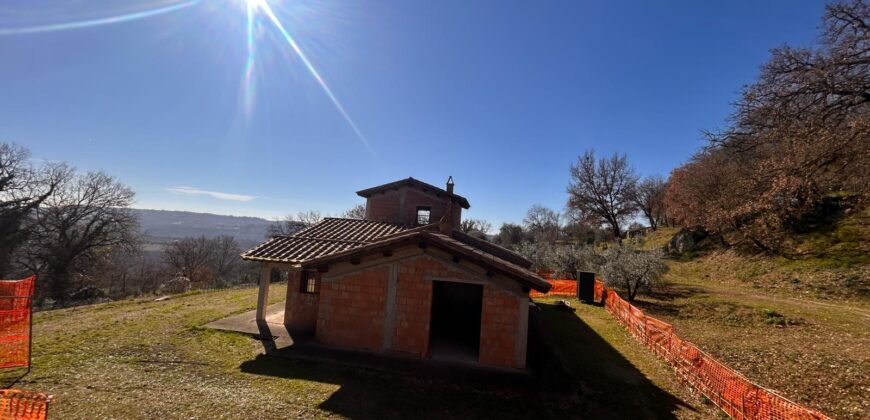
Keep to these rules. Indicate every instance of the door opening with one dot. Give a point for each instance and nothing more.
(455, 325)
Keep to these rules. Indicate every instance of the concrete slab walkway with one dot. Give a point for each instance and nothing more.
(281, 343)
(273, 333)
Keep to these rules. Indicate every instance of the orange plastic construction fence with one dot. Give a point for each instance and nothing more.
(23, 405)
(16, 299)
(725, 387)
(559, 288)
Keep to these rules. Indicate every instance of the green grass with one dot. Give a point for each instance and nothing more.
(145, 359)
(613, 368)
(796, 323)
(814, 351)
(658, 238)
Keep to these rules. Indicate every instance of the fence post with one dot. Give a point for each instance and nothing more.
(586, 286)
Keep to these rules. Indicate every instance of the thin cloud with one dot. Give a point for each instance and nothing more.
(213, 194)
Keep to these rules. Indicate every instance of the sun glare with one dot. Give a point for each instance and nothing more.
(254, 9)
(262, 7)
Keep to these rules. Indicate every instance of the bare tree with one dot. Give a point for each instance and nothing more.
(542, 224)
(356, 212)
(798, 134)
(603, 189)
(86, 217)
(191, 258)
(649, 198)
(475, 227)
(23, 188)
(291, 224)
(205, 261)
(225, 260)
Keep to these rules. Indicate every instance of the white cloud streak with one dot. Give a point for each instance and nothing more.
(213, 194)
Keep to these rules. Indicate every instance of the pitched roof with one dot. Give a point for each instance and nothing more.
(449, 243)
(414, 183)
(498, 251)
(326, 237)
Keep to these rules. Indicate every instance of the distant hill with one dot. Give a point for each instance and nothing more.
(162, 226)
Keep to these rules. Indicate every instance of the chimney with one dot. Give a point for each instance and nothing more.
(445, 225)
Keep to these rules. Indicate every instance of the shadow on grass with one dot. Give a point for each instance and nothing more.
(377, 394)
(400, 388)
(610, 384)
(10, 376)
(663, 302)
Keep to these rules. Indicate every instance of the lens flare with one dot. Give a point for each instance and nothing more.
(250, 87)
(264, 7)
(98, 22)
(253, 9)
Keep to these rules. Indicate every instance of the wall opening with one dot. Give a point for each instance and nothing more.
(455, 324)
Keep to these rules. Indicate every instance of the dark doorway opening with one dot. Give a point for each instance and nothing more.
(455, 324)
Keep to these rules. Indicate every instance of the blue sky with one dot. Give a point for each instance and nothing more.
(501, 95)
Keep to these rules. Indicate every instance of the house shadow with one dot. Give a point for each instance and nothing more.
(365, 393)
(373, 386)
(573, 373)
(610, 385)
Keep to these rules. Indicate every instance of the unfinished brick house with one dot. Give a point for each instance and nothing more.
(405, 280)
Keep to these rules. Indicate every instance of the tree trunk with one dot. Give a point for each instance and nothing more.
(59, 283)
(614, 228)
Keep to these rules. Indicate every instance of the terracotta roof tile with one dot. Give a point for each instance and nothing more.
(327, 237)
(428, 234)
(336, 239)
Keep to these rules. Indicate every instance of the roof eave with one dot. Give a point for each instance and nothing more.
(534, 283)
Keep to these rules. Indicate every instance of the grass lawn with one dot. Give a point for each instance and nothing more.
(612, 369)
(146, 359)
(816, 352)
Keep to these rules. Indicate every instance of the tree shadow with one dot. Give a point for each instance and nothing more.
(611, 386)
(664, 302)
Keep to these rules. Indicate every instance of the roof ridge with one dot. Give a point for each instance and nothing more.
(366, 221)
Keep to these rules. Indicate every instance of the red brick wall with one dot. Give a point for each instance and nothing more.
(351, 312)
(413, 306)
(384, 207)
(400, 206)
(300, 309)
(499, 327)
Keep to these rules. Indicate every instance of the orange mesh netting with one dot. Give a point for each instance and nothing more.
(16, 297)
(24, 405)
(560, 288)
(725, 387)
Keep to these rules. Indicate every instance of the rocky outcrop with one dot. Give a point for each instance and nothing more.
(686, 240)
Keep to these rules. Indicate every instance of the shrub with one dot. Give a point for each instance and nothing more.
(632, 270)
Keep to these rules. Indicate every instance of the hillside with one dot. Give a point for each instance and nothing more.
(831, 262)
(796, 323)
(161, 226)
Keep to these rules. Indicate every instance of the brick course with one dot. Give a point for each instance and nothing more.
(499, 328)
(400, 206)
(300, 310)
(351, 309)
